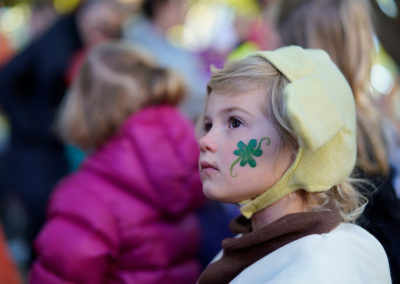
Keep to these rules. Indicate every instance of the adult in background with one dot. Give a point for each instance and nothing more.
(343, 28)
(149, 30)
(32, 87)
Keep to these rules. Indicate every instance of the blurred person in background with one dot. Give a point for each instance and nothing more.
(97, 31)
(127, 215)
(32, 87)
(149, 30)
(343, 28)
(255, 33)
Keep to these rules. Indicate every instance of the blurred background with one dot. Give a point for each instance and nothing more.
(213, 30)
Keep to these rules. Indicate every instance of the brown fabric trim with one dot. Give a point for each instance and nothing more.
(240, 253)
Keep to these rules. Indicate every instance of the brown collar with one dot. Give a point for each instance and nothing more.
(241, 252)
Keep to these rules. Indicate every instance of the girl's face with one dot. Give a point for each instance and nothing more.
(240, 153)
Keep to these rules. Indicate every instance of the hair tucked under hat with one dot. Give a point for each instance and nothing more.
(115, 81)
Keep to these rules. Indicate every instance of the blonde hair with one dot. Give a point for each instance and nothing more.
(343, 28)
(256, 72)
(115, 81)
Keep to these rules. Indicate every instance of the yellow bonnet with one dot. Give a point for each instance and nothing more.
(321, 111)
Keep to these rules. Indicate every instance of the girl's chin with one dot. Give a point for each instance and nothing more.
(217, 196)
(211, 194)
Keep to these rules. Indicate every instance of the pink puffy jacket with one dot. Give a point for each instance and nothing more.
(127, 215)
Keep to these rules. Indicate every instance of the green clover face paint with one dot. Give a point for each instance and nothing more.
(246, 153)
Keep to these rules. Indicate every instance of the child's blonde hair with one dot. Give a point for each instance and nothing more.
(115, 81)
(255, 72)
(343, 28)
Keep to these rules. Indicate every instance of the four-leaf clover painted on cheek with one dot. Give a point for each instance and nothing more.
(246, 153)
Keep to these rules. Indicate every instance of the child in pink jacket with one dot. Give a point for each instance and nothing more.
(127, 214)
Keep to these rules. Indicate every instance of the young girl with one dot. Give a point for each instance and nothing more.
(127, 214)
(279, 138)
(343, 28)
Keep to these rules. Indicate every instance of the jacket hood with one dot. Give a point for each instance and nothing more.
(154, 157)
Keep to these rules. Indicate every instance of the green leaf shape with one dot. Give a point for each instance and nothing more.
(248, 159)
(252, 145)
(246, 153)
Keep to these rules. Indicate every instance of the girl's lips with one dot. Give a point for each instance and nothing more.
(206, 165)
(207, 169)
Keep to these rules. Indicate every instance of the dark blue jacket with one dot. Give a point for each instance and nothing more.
(32, 87)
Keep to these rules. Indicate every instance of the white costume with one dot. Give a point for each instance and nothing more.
(347, 254)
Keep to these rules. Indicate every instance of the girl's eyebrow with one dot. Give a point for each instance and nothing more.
(231, 109)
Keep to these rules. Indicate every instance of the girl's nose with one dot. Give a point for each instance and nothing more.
(207, 143)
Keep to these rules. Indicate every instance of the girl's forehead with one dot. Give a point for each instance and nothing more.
(233, 94)
(252, 100)
(230, 96)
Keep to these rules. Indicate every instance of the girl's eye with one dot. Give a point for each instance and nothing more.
(234, 122)
(207, 126)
